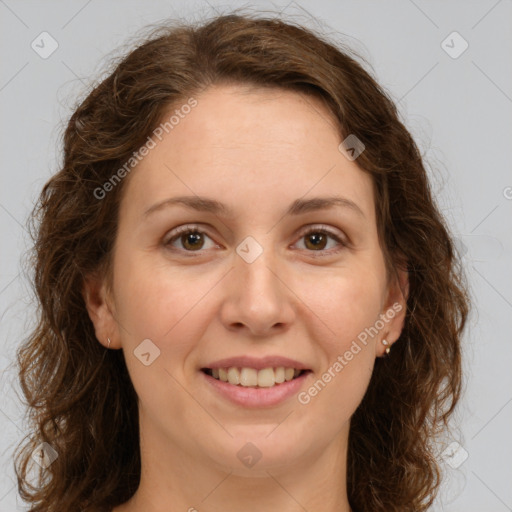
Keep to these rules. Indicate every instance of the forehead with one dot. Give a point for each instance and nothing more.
(244, 145)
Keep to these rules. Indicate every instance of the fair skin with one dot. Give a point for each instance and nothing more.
(256, 151)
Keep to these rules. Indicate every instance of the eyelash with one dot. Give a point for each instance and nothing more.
(315, 229)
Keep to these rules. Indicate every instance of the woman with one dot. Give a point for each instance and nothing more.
(249, 299)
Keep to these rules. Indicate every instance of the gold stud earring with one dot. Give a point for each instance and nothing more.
(386, 344)
(108, 339)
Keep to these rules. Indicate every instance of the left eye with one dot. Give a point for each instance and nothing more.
(317, 239)
(193, 239)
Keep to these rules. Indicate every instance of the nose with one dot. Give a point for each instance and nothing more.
(258, 299)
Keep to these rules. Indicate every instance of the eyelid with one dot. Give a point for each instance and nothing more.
(182, 229)
(322, 227)
(175, 233)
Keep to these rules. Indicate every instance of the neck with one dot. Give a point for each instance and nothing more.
(173, 479)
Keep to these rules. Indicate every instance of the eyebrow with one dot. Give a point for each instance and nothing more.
(298, 207)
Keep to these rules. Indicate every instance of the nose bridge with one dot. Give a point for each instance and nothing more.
(257, 275)
(258, 298)
(253, 265)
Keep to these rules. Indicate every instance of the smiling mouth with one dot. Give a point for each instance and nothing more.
(250, 377)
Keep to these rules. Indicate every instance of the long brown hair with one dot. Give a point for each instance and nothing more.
(79, 395)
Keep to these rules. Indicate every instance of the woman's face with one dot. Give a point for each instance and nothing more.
(271, 268)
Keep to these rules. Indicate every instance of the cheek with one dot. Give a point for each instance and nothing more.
(170, 308)
(156, 301)
(348, 302)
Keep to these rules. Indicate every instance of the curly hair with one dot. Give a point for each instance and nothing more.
(79, 395)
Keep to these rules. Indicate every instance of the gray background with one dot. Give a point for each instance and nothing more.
(458, 109)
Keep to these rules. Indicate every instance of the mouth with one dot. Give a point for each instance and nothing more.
(253, 378)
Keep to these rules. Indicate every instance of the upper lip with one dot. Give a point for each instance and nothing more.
(258, 363)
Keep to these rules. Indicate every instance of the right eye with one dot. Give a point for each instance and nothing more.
(191, 239)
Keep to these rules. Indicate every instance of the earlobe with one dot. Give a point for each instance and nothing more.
(96, 300)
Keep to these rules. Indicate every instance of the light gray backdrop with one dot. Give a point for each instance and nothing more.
(456, 100)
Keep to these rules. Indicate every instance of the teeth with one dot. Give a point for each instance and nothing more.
(266, 378)
(279, 375)
(250, 377)
(233, 376)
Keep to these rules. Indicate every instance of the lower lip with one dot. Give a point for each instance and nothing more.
(257, 397)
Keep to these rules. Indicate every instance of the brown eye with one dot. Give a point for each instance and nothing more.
(189, 239)
(317, 240)
(192, 240)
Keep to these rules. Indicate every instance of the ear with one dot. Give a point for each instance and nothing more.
(394, 310)
(101, 312)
